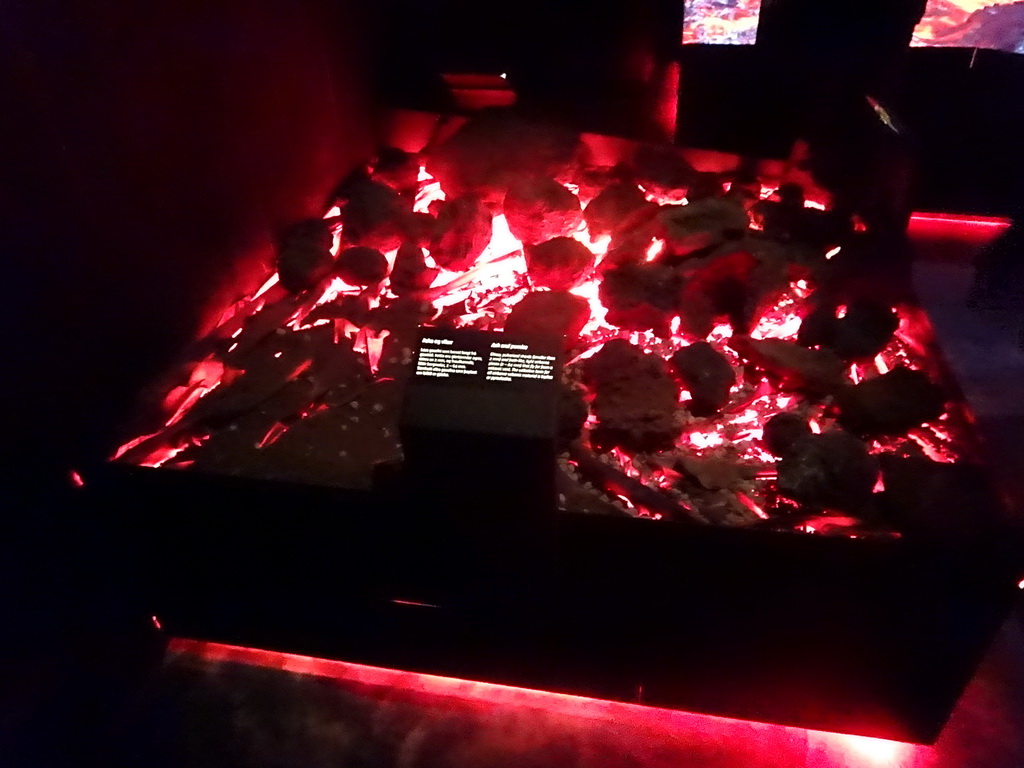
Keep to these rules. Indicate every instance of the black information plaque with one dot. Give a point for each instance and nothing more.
(484, 383)
(478, 426)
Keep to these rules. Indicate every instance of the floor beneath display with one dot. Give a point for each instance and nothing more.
(199, 710)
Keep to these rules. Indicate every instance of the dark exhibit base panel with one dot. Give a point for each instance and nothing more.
(478, 429)
(859, 636)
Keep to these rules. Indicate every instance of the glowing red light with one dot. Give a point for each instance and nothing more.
(957, 226)
(482, 296)
(750, 504)
(76, 479)
(743, 741)
(655, 249)
(156, 622)
(413, 603)
(270, 283)
(874, 752)
(1020, 584)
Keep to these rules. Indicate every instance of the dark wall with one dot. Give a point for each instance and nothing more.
(150, 149)
(596, 65)
(961, 113)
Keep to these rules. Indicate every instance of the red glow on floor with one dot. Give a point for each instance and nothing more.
(874, 751)
(787, 745)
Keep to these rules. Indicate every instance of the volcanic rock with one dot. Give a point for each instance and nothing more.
(549, 313)
(865, 330)
(606, 212)
(662, 171)
(539, 209)
(355, 309)
(890, 404)
(818, 329)
(495, 146)
(361, 265)
(818, 371)
(635, 400)
(716, 473)
(304, 255)
(462, 233)
(705, 223)
(832, 470)
(398, 169)
(572, 414)
(783, 430)
(735, 283)
(706, 374)
(704, 186)
(558, 263)
(644, 297)
(375, 215)
(411, 272)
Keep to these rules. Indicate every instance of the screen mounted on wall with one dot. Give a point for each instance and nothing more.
(996, 24)
(721, 22)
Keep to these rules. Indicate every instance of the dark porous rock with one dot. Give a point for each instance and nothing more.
(818, 329)
(633, 237)
(791, 195)
(606, 364)
(539, 209)
(954, 503)
(462, 233)
(783, 430)
(661, 170)
(642, 297)
(558, 263)
(361, 265)
(635, 399)
(832, 470)
(727, 283)
(495, 146)
(706, 374)
(355, 309)
(705, 223)
(411, 273)
(732, 283)
(865, 330)
(716, 473)
(398, 169)
(704, 186)
(375, 215)
(549, 313)
(572, 414)
(788, 219)
(817, 371)
(890, 404)
(304, 255)
(423, 227)
(612, 206)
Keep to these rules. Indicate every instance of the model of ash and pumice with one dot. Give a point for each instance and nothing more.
(720, 368)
